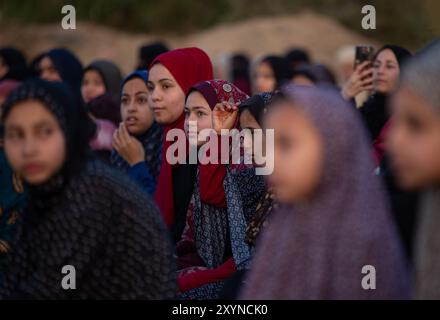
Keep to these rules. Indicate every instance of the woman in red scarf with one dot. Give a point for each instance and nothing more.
(171, 75)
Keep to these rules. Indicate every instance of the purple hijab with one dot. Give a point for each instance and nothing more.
(316, 250)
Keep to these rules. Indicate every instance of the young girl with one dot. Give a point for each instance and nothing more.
(61, 65)
(335, 229)
(84, 221)
(171, 75)
(138, 140)
(414, 146)
(100, 89)
(224, 199)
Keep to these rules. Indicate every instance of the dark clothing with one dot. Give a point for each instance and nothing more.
(102, 224)
(184, 177)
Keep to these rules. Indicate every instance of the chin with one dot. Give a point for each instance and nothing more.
(36, 179)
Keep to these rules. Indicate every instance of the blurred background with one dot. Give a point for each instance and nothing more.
(115, 29)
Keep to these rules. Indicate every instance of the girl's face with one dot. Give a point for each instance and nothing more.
(92, 85)
(34, 142)
(264, 78)
(247, 121)
(197, 109)
(414, 140)
(298, 154)
(48, 71)
(386, 72)
(166, 98)
(135, 111)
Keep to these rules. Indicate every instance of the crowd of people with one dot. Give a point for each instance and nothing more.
(86, 178)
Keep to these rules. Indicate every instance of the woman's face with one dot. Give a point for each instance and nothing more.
(135, 112)
(264, 78)
(386, 72)
(197, 109)
(298, 154)
(166, 98)
(414, 140)
(48, 71)
(92, 85)
(34, 142)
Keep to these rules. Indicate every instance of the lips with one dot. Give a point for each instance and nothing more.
(33, 168)
(131, 120)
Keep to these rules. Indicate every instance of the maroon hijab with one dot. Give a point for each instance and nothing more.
(211, 175)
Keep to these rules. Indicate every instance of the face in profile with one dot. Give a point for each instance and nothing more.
(135, 111)
(197, 111)
(414, 140)
(167, 98)
(34, 142)
(298, 154)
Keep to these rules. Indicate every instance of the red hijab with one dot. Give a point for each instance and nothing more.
(211, 175)
(188, 66)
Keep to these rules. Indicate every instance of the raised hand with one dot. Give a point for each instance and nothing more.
(127, 146)
(224, 116)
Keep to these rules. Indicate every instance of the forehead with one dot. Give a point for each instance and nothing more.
(386, 55)
(28, 113)
(134, 85)
(196, 99)
(46, 61)
(92, 73)
(159, 72)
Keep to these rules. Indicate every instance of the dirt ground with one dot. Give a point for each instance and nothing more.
(321, 35)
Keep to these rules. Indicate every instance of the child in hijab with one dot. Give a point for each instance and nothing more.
(61, 65)
(171, 76)
(414, 146)
(251, 116)
(224, 199)
(333, 238)
(100, 91)
(138, 140)
(79, 210)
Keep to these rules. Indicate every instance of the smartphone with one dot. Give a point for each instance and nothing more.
(363, 53)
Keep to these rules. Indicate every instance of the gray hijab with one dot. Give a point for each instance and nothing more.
(317, 250)
(422, 75)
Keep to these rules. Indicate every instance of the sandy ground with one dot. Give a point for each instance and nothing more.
(321, 35)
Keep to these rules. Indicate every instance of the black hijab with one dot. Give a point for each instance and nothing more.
(68, 66)
(71, 115)
(281, 69)
(16, 63)
(81, 218)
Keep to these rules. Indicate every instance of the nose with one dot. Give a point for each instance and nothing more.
(131, 107)
(29, 147)
(155, 95)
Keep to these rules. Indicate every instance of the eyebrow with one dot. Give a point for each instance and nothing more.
(139, 92)
(196, 108)
(39, 125)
